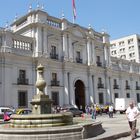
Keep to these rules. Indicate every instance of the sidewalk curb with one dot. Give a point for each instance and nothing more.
(116, 136)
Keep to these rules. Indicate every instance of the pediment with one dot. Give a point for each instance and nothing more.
(77, 33)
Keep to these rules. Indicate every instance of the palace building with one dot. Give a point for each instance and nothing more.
(78, 67)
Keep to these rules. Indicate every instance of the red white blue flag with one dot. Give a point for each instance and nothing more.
(74, 9)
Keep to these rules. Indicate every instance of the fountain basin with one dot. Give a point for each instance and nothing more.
(69, 132)
(41, 120)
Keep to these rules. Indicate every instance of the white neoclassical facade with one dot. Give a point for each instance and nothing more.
(78, 67)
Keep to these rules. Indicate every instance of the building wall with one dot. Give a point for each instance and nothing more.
(128, 46)
(30, 44)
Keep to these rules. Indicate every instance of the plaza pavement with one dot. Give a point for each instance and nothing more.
(115, 128)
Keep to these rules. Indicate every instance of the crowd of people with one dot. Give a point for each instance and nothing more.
(95, 110)
(57, 109)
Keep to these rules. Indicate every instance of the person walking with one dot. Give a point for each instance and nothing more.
(93, 113)
(131, 113)
(87, 109)
(110, 109)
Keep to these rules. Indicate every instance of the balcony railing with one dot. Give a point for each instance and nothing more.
(54, 83)
(137, 87)
(99, 64)
(100, 85)
(54, 56)
(116, 86)
(79, 60)
(22, 81)
(127, 87)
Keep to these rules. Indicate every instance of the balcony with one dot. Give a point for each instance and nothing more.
(100, 85)
(99, 63)
(54, 56)
(137, 87)
(116, 86)
(79, 60)
(54, 83)
(127, 87)
(22, 81)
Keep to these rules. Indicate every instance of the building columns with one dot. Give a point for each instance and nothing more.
(108, 87)
(65, 47)
(70, 48)
(88, 51)
(45, 41)
(91, 95)
(66, 90)
(93, 56)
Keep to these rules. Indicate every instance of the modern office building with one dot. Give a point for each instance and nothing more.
(126, 48)
(78, 67)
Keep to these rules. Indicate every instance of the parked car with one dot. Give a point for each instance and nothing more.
(75, 111)
(23, 111)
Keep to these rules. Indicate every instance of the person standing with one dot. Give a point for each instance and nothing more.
(87, 109)
(131, 113)
(93, 112)
(110, 109)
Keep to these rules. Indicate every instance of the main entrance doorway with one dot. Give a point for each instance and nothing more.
(80, 94)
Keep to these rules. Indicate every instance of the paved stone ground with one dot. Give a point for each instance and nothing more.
(116, 126)
(129, 138)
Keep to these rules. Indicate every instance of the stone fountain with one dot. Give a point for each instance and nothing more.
(41, 110)
(43, 125)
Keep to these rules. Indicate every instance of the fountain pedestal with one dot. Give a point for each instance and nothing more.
(41, 104)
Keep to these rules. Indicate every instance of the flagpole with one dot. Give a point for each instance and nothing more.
(73, 20)
(74, 10)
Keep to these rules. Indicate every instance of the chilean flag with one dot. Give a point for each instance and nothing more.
(74, 9)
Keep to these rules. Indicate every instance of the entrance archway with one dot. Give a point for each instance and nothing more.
(80, 94)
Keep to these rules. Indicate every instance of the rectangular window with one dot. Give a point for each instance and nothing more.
(127, 95)
(98, 61)
(22, 74)
(101, 98)
(22, 78)
(99, 80)
(115, 82)
(126, 82)
(55, 98)
(53, 50)
(78, 54)
(113, 45)
(22, 99)
(121, 43)
(138, 97)
(98, 58)
(78, 57)
(53, 53)
(54, 76)
(130, 41)
(116, 95)
(136, 83)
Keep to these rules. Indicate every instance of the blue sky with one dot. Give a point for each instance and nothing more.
(118, 17)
